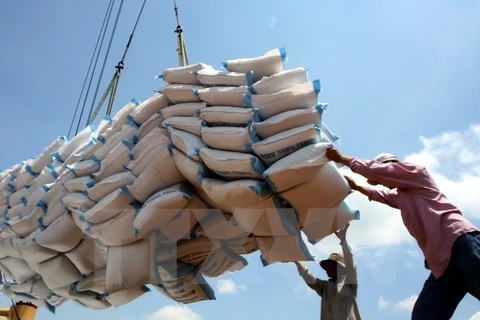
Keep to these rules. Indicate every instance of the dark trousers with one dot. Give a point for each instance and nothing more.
(440, 297)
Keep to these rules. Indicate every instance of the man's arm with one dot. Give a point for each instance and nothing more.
(350, 268)
(379, 194)
(395, 175)
(313, 282)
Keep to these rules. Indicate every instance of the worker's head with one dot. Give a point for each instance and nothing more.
(386, 157)
(383, 158)
(334, 265)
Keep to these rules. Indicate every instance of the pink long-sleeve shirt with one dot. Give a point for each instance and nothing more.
(426, 212)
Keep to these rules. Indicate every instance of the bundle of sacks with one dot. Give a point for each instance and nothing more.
(215, 166)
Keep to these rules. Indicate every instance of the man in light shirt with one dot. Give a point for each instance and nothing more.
(449, 242)
(339, 293)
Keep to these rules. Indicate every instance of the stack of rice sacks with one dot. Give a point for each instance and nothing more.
(216, 165)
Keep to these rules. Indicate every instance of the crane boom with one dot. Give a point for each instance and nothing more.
(181, 46)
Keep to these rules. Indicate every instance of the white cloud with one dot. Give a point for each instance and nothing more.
(476, 316)
(273, 21)
(412, 253)
(452, 159)
(229, 286)
(303, 288)
(174, 312)
(409, 265)
(383, 304)
(405, 305)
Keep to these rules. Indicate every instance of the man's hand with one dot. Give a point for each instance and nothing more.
(334, 155)
(351, 183)
(342, 233)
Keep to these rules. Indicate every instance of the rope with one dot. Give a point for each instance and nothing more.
(133, 32)
(105, 59)
(109, 13)
(89, 68)
(113, 85)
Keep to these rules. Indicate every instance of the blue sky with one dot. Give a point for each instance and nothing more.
(401, 76)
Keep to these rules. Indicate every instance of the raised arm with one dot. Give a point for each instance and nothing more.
(379, 194)
(395, 175)
(350, 268)
(313, 282)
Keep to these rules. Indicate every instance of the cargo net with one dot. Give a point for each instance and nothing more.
(214, 166)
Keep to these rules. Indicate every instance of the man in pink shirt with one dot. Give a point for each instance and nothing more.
(450, 243)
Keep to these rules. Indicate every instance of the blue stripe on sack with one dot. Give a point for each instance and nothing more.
(250, 82)
(135, 139)
(61, 138)
(108, 118)
(91, 127)
(24, 201)
(247, 100)
(131, 119)
(283, 55)
(316, 86)
(125, 190)
(262, 189)
(256, 116)
(185, 190)
(135, 231)
(196, 152)
(127, 144)
(283, 52)
(170, 149)
(264, 262)
(322, 105)
(304, 248)
(287, 216)
(56, 155)
(42, 205)
(41, 224)
(101, 139)
(225, 64)
(135, 101)
(90, 184)
(29, 170)
(353, 210)
(203, 172)
(54, 174)
(27, 186)
(332, 136)
(196, 93)
(10, 188)
(270, 182)
(252, 133)
(257, 165)
(133, 124)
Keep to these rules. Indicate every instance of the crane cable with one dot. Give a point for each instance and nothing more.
(101, 36)
(105, 60)
(113, 85)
